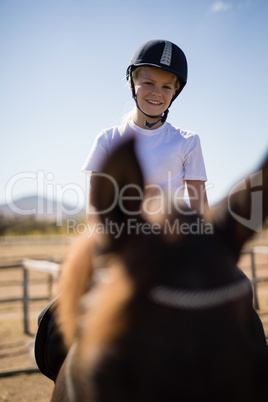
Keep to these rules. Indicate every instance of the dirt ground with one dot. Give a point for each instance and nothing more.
(20, 380)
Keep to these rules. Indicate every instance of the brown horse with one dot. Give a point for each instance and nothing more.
(155, 308)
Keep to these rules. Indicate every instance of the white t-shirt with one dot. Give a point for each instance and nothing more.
(168, 155)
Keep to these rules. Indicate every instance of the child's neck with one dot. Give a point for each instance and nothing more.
(147, 122)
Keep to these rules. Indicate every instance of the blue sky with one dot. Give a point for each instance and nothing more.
(62, 72)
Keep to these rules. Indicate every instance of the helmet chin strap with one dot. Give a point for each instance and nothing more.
(161, 118)
(150, 125)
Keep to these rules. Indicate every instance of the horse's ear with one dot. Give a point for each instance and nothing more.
(244, 211)
(118, 188)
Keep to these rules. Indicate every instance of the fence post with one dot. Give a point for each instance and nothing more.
(50, 284)
(254, 280)
(25, 301)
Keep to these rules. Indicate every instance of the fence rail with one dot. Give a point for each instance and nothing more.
(52, 269)
(48, 267)
(25, 239)
(254, 279)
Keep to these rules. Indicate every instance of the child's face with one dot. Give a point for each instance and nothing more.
(154, 89)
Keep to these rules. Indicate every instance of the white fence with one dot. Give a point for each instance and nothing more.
(52, 269)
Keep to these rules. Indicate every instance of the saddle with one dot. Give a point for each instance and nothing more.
(50, 351)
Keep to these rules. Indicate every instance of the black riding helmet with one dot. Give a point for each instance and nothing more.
(164, 55)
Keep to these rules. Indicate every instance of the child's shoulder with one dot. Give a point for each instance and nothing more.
(115, 131)
(111, 136)
(184, 134)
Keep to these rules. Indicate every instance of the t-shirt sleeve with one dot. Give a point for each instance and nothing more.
(194, 166)
(97, 155)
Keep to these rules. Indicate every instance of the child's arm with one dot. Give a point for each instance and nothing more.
(197, 195)
(90, 208)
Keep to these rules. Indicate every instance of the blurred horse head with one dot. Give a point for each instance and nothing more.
(155, 308)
